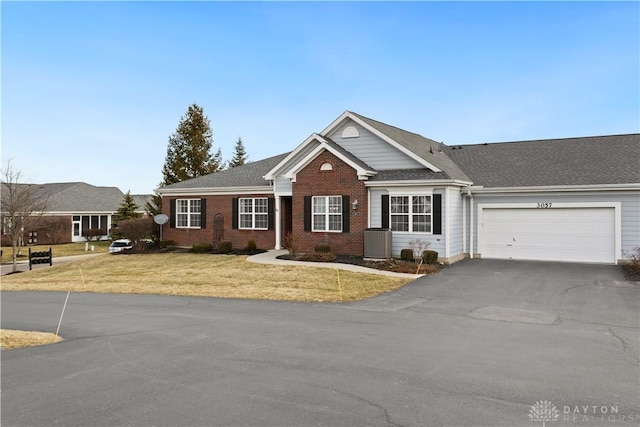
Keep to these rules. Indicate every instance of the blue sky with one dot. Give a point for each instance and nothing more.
(91, 91)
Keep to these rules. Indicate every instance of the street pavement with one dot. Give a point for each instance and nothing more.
(482, 343)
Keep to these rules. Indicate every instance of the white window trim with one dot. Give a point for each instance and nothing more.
(188, 214)
(410, 213)
(252, 213)
(326, 214)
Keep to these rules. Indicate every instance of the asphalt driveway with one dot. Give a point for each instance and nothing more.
(476, 345)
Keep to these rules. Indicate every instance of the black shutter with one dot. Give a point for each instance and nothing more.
(385, 211)
(271, 209)
(307, 213)
(203, 213)
(346, 214)
(172, 213)
(234, 213)
(436, 213)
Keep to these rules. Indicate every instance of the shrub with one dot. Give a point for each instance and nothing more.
(289, 243)
(138, 230)
(200, 248)
(224, 247)
(94, 234)
(406, 255)
(632, 265)
(251, 246)
(166, 243)
(430, 257)
(322, 248)
(317, 257)
(115, 233)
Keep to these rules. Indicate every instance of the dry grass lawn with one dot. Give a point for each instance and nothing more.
(64, 249)
(18, 339)
(227, 276)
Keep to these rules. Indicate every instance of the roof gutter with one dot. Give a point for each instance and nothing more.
(417, 182)
(556, 188)
(215, 191)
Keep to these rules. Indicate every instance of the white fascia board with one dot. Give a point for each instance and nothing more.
(363, 174)
(556, 188)
(216, 191)
(271, 175)
(400, 147)
(60, 213)
(416, 183)
(337, 122)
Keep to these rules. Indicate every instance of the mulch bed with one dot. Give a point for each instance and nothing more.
(392, 264)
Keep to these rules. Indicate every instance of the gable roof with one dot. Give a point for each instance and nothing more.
(595, 160)
(598, 160)
(362, 169)
(79, 197)
(428, 150)
(248, 175)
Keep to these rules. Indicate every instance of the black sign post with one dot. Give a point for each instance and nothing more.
(42, 257)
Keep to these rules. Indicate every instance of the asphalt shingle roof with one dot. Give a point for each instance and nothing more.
(426, 148)
(408, 175)
(570, 161)
(79, 197)
(592, 160)
(247, 175)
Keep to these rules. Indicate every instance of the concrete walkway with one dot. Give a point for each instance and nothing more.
(271, 257)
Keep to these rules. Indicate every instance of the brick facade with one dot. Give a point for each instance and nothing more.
(265, 239)
(341, 181)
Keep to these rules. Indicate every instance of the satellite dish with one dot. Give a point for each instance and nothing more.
(160, 219)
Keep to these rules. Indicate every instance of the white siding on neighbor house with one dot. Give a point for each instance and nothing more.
(372, 150)
(629, 212)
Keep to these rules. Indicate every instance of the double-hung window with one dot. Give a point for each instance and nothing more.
(327, 213)
(188, 213)
(410, 213)
(254, 213)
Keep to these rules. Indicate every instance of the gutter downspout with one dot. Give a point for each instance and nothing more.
(470, 196)
(278, 227)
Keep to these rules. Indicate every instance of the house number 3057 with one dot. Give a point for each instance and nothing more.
(544, 205)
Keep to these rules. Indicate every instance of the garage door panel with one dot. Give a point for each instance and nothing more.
(566, 234)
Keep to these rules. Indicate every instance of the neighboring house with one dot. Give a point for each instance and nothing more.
(74, 208)
(573, 199)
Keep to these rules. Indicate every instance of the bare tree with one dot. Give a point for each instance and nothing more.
(20, 205)
(55, 228)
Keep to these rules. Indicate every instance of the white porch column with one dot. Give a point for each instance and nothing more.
(278, 223)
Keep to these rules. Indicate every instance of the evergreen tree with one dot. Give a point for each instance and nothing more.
(154, 206)
(240, 156)
(128, 208)
(189, 149)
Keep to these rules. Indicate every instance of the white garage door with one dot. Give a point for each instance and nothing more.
(564, 234)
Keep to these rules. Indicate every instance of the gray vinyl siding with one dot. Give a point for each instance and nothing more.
(372, 150)
(630, 210)
(375, 208)
(454, 219)
(401, 240)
